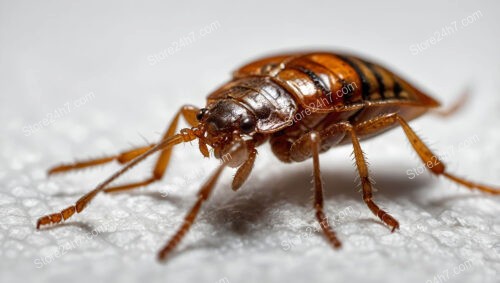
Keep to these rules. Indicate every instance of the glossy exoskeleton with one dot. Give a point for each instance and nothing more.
(303, 104)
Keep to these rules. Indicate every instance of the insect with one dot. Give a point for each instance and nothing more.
(303, 104)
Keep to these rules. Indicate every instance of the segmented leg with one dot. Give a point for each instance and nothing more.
(244, 170)
(185, 136)
(203, 195)
(310, 144)
(345, 127)
(454, 108)
(188, 112)
(430, 160)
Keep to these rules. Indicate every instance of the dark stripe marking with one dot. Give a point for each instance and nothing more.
(397, 89)
(378, 76)
(365, 84)
(346, 97)
(318, 82)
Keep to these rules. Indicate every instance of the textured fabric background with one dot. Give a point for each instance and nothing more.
(89, 79)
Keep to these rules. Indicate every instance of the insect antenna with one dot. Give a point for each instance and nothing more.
(185, 135)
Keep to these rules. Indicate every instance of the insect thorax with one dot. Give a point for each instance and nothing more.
(271, 104)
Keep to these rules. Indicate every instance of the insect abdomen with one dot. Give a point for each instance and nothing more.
(339, 81)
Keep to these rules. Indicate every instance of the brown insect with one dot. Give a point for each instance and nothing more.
(303, 104)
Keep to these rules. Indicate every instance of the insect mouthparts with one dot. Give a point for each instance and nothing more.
(303, 104)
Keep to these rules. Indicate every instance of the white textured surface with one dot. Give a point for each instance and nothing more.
(55, 53)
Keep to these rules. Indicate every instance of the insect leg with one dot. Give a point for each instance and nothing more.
(365, 179)
(309, 144)
(244, 170)
(185, 136)
(203, 195)
(344, 127)
(189, 113)
(430, 160)
(457, 105)
(315, 142)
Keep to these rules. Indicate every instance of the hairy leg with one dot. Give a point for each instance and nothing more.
(185, 136)
(310, 143)
(203, 195)
(430, 160)
(189, 113)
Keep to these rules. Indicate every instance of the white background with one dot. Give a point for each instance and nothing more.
(54, 53)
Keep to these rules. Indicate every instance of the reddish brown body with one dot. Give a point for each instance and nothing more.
(319, 89)
(302, 103)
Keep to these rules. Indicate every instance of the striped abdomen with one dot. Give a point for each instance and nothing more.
(332, 81)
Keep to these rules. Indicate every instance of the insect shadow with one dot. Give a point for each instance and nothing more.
(237, 215)
(237, 212)
(293, 187)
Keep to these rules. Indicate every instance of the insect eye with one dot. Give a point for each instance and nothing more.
(247, 125)
(201, 113)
